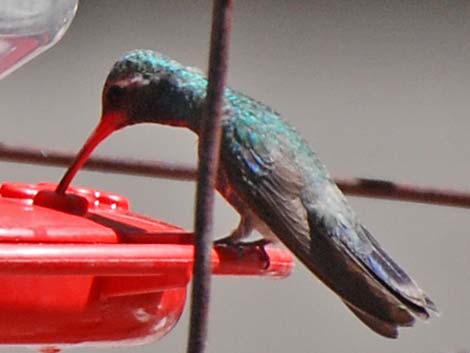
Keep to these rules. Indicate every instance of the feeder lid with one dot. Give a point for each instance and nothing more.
(34, 213)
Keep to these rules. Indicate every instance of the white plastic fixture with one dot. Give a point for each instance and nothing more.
(29, 27)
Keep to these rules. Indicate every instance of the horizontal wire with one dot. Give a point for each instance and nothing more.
(363, 187)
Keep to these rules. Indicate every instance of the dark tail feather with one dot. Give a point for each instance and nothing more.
(384, 328)
(373, 301)
(393, 277)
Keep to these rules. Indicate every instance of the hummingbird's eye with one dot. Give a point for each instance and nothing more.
(115, 95)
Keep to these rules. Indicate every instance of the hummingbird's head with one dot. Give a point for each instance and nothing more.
(144, 87)
(147, 87)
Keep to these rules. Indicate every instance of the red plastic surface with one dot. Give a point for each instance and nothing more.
(83, 268)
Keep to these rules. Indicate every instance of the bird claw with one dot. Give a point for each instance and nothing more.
(241, 248)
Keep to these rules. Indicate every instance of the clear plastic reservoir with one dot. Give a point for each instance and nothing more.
(29, 27)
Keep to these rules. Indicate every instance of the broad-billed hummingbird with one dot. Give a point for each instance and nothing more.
(270, 175)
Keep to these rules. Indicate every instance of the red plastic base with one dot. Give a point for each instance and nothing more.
(81, 268)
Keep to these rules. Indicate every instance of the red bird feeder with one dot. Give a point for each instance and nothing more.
(81, 268)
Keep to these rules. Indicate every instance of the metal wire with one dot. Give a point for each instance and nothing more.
(362, 187)
(209, 146)
(49, 157)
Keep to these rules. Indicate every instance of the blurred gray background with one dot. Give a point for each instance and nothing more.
(379, 88)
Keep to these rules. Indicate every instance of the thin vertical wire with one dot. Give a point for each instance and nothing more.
(209, 146)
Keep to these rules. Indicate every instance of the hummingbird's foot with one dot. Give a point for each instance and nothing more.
(242, 248)
(231, 243)
(261, 247)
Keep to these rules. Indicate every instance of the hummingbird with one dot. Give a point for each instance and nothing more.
(273, 179)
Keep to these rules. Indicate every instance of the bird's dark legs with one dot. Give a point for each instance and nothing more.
(243, 231)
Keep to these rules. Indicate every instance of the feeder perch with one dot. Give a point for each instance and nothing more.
(83, 269)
